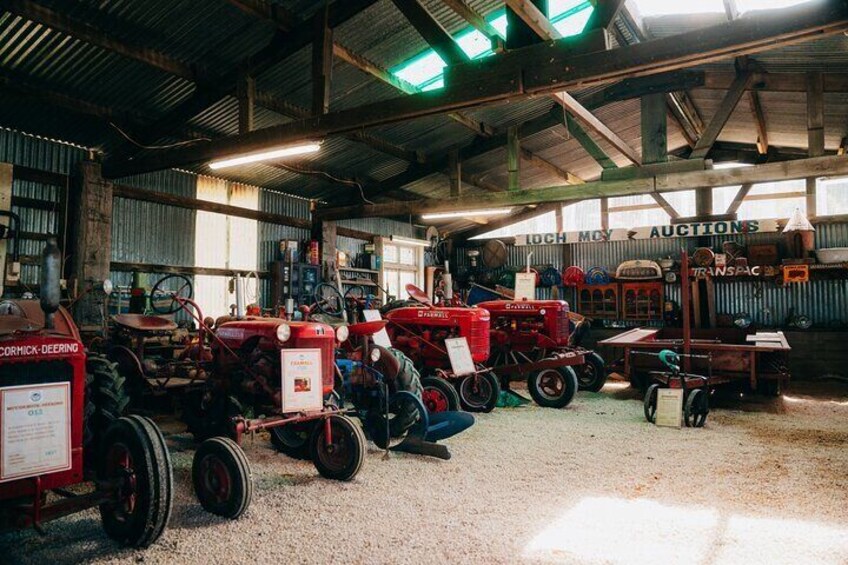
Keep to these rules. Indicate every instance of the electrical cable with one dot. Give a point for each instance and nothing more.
(168, 146)
(333, 178)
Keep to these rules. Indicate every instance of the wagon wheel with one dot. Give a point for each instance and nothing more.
(173, 299)
(553, 388)
(696, 409)
(134, 457)
(221, 477)
(650, 404)
(342, 458)
(479, 393)
(292, 439)
(439, 395)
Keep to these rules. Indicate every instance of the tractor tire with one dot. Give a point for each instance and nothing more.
(134, 453)
(479, 393)
(341, 460)
(592, 375)
(407, 379)
(292, 439)
(553, 388)
(106, 400)
(221, 476)
(212, 420)
(439, 395)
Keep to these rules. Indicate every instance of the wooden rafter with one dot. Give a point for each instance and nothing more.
(743, 191)
(534, 18)
(322, 63)
(477, 20)
(491, 81)
(604, 13)
(722, 115)
(432, 31)
(759, 121)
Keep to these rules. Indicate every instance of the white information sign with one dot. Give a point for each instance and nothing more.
(670, 407)
(36, 430)
(302, 386)
(525, 286)
(460, 356)
(380, 338)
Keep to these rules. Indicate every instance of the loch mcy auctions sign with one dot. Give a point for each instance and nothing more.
(689, 229)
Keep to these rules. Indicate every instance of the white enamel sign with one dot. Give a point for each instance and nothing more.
(525, 286)
(380, 338)
(670, 407)
(302, 386)
(460, 356)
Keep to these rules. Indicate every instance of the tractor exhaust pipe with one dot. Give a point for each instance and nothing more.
(51, 273)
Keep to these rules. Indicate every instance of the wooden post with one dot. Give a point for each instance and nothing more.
(513, 150)
(6, 176)
(815, 131)
(654, 129)
(604, 214)
(92, 244)
(559, 220)
(246, 102)
(322, 63)
(704, 202)
(455, 173)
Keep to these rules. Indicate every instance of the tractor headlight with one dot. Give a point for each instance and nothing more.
(375, 355)
(342, 333)
(283, 332)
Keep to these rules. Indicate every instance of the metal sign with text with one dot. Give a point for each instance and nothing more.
(668, 231)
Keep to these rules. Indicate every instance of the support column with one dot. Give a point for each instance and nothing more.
(815, 131)
(91, 254)
(513, 158)
(455, 174)
(654, 129)
(246, 102)
(322, 64)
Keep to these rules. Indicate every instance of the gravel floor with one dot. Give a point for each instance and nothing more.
(765, 481)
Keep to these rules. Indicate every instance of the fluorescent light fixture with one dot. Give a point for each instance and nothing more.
(279, 153)
(410, 241)
(473, 213)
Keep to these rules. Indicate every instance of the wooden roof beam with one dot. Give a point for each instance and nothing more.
(722, 115)
(604, 13)
(534, 18)
(432, 31)
(476, 20)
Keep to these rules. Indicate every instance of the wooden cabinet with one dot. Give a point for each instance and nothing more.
(598, 301)
(642, 301)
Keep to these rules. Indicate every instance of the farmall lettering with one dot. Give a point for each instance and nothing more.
(46, 349)
(520, 306)
(432, 314)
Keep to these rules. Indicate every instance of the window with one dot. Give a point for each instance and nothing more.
(832, 197)
(773, 200)
(402, 265)
(671, 7)
(642, 210)
(583, 215)
(425, 70)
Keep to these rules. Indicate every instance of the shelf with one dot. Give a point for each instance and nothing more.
(359, 283)
(358, 270)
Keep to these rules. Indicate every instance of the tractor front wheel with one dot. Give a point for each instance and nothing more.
(135, 459)
(292, 439)
(342, 457)
(696, 409)
(592, 375)
(553, 388)
(650, 403)
(479, 393)
(221, 477)
(439, 395)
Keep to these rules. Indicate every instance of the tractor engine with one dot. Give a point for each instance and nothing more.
(256, 343)
(420, 333)
(529, 324)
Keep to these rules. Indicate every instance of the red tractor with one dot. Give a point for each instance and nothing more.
(533, 339)
(420, 332)
(243, 393)
(61, 425)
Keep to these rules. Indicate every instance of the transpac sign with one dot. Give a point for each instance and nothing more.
(668, 231)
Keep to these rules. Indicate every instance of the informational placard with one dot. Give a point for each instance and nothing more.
(36, 430)
(302, 386)
(460, 356)
(525, 286)
(380, 338)
(670, 407)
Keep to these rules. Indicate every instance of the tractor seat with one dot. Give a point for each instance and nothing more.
(367, 328)
(143, 323)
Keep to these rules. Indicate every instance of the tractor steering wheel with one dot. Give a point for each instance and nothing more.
(183, 292)
(328, 300)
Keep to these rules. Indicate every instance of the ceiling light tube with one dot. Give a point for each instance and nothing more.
(410, 241)
(279, 153)
(467, 213)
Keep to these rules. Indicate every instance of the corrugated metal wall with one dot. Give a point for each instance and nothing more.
(824, 301)
(377, 226)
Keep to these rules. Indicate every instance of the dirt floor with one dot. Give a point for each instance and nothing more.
(765, 482)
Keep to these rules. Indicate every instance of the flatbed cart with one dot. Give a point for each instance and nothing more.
(696, 392)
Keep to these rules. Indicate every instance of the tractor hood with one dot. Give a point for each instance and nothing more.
(237, 332)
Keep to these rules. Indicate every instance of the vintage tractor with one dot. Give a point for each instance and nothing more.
(420, 332)
(61, 426)
(532, 339)
(244, 393)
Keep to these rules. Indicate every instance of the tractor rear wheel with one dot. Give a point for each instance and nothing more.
(696, 409)
(479, 393)
(342, 458)
(439, 395)
(592, 375)
(553, 388)
(222, 478)
(650, 403)
(106, 400)
(134, 456)
(292, 439)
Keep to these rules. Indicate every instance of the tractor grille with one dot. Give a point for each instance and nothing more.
(327, 347)
(478, 341)
(36, 373)
(562, 324)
